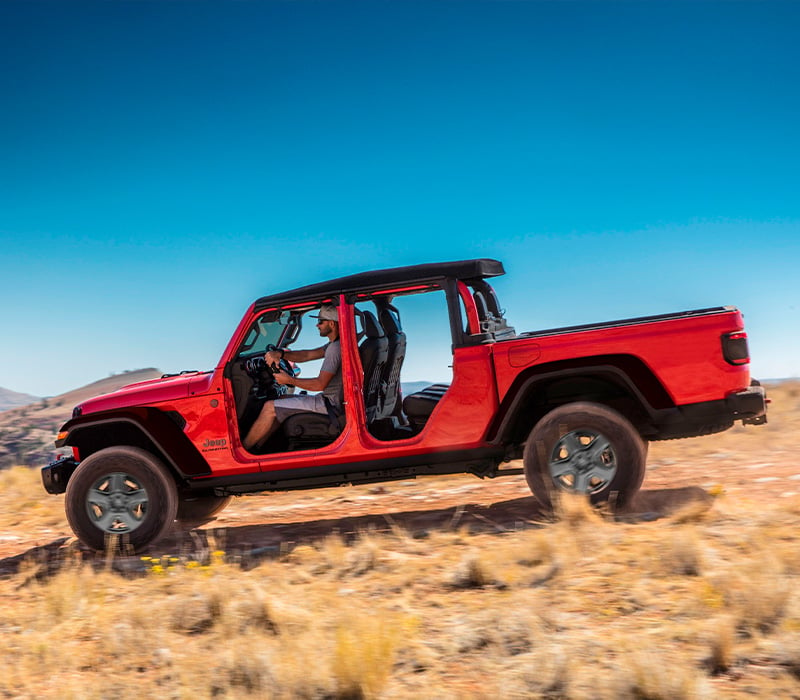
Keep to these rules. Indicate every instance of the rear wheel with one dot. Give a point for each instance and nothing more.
(124, 492)
(197, 507)
(584, 448)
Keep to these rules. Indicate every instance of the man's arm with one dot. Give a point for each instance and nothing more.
(309, 384)
(273, 356)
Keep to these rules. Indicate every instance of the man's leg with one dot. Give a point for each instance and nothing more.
(263, 427)
(273, 413)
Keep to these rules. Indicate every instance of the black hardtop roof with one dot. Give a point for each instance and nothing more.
(377, 279)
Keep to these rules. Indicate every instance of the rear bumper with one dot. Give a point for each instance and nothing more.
(56, 474)
(750, 405)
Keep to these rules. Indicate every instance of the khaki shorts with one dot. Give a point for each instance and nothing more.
(303, 403)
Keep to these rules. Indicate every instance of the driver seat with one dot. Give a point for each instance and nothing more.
(307, 431)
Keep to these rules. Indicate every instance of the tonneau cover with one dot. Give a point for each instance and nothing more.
(629, 321)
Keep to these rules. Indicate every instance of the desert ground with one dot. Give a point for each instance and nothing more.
(446, 587)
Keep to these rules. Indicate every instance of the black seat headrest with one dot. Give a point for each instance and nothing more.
(390, 322)
(372, 328)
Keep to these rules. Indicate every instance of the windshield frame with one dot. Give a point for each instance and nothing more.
(276, 327)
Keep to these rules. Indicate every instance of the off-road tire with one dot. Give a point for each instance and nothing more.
(121, 494)
(588, 448)
(193, 508)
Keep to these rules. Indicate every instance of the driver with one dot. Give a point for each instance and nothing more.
(329, 381)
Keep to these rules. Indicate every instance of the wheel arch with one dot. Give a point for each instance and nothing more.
(621, 382)
(150, 429)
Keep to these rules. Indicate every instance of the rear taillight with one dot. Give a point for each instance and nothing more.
(734, 348)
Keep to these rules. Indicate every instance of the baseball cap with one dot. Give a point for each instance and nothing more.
(327, 312)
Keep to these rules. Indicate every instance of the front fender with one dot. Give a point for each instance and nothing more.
(149, 428)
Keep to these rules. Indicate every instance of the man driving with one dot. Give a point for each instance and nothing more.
(329, 381)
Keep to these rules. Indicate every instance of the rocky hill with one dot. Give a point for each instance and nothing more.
(13, 399)
(27, 432)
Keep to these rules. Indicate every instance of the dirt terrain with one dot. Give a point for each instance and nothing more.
(689, 593)
(421, 505)
(756, 463)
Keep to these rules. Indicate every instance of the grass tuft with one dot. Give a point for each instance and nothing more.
(653, 675)
(575, 510)
(364, 653)
(758, 592)
(471, 572)
(681, 553)
(721, 644)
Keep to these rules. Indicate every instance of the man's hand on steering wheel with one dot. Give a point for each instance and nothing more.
(277, 363)
(281, 376)
(273, 357)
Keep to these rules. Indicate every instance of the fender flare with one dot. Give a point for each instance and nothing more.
(652, 403)
(162, 434)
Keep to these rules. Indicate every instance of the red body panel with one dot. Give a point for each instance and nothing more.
(141, 394)
(684, 354)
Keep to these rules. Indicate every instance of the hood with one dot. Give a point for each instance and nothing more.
(153, 391)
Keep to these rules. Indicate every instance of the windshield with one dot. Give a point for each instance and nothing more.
(269, 329)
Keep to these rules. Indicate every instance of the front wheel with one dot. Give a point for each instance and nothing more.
(584, 448)
(121, 491)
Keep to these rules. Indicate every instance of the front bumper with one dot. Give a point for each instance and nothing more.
(56, 474)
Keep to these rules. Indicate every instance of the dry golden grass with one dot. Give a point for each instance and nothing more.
(23, 506)
(583, 608)
(702, 604)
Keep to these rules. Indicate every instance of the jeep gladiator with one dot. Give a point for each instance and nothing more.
(578, 405)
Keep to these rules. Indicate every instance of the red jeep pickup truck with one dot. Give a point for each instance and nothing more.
(577, 404)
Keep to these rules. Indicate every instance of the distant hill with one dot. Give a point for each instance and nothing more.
(27, 432)
(412, 387)
(12, 399)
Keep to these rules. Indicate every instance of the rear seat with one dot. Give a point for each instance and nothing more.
(419, 406)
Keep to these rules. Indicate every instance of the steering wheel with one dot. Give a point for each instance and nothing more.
(264, 385)
(283, 364)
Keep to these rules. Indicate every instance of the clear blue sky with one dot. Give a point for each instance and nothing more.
(162, 164)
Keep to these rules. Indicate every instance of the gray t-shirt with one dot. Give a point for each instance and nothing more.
(332, 363)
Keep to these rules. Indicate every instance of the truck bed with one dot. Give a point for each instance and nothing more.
(627, 322)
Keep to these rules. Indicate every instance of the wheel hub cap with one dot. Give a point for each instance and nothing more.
(117, 503)
(583, 461)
